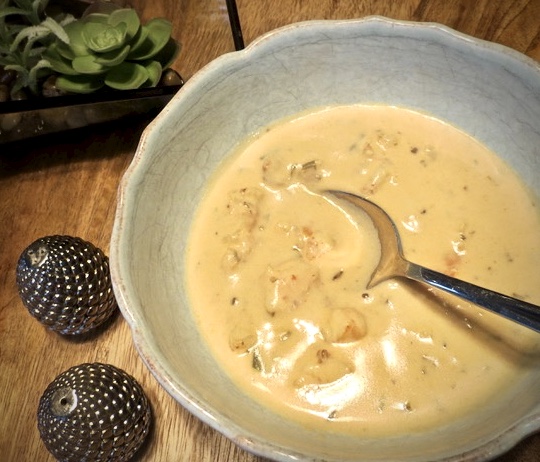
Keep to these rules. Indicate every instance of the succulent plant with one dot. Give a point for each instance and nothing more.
(24, 35)
(113, 49)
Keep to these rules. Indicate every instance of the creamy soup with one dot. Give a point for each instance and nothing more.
(278, 270)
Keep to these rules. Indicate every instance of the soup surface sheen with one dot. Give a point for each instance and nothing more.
(277, 271)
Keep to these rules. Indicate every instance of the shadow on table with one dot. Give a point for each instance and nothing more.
(78, 145)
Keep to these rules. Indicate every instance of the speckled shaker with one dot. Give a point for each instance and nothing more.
(94, 413)
(65, 283)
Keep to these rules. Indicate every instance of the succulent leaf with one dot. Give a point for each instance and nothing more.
(58, 62)
(22, 76)
(33, 75)
(129, 17)
(113, 58)
(31, 34)
(159, 32)
(15, 67)
(11, 11)
(87, 65)
(76, 41)
(126, 76)
(56, 29)
(104, 37)
(64, 50)
(154, 70)
(79, 83)
(139, 39)
(102, 18)
(36, 52)
(68, 18)
(36, 7)
(105, 7)
(168, 53)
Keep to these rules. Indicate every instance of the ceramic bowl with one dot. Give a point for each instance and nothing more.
(491, 92)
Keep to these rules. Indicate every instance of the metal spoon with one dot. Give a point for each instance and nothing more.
(393, 264)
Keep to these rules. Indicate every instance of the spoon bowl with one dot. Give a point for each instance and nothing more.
(392, 263)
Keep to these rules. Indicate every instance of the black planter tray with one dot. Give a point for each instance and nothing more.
(41, 116)
(25, 119)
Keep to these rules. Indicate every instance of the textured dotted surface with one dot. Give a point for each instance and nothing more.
(93, 412)
(65, 283)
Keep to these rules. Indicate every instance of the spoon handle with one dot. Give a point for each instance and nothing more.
(517, 310)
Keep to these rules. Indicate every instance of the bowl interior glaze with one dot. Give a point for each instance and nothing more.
(489, 91)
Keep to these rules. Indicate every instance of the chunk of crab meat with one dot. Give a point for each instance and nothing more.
(278, 172)
(288, 285)
(242, 337)
(313, 244)
(243, 206)
(345, 325)
(239, 246)
(320, 364)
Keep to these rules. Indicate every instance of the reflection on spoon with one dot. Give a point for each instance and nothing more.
(393, 264)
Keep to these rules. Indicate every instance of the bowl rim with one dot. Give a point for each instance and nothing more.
(130, 310)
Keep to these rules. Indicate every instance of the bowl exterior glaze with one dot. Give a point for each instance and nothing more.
(489, 91)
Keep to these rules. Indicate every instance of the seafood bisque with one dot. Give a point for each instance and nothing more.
(277, 271)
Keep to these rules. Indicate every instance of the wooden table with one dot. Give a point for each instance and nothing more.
(68, 185)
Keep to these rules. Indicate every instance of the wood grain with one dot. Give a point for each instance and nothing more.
(67, 185)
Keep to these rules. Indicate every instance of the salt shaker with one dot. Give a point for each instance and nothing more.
(93, 413)
(65, 283)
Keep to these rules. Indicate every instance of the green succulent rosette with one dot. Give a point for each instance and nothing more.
(114, 50)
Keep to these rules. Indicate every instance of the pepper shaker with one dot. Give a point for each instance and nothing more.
(65, 283)
(93, 413)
